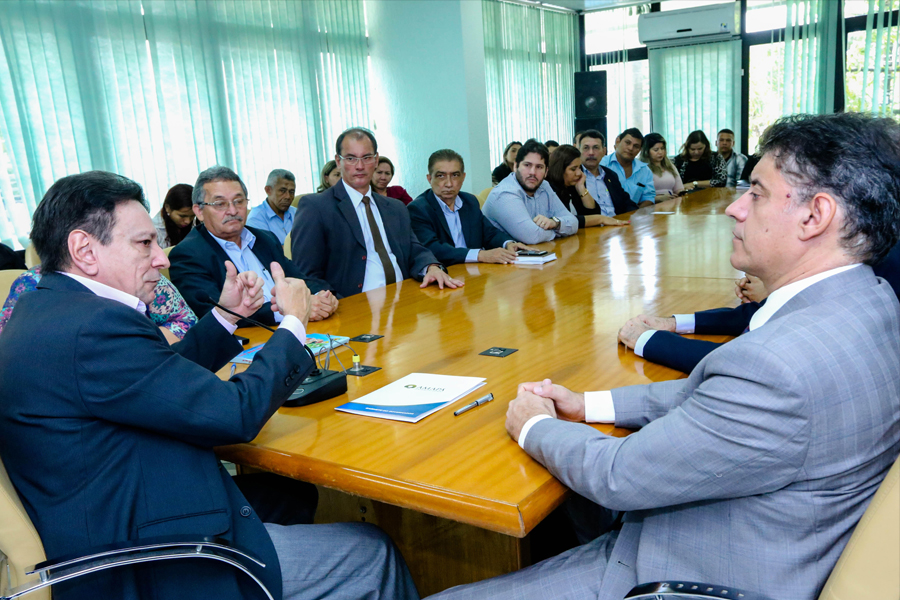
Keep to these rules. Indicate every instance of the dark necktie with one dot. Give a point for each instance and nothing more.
(389, 275)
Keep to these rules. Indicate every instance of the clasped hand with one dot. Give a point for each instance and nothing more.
(542, 398)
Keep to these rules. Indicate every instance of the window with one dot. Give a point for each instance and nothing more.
(612, 30)
(14, 215)
(766, 89)
(628, 96)
(876, 84)
(680, 4)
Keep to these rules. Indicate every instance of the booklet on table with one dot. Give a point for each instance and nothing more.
(316, 342)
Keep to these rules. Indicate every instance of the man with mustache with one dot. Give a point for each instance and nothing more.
(524, 205)
(198, 271)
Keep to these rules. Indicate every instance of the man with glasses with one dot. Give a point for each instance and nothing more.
(358, 240)
(450, 222)
(198, 262)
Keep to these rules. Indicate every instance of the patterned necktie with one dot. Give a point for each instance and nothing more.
(389, 275)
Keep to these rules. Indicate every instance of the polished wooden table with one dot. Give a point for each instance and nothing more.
(457, 495)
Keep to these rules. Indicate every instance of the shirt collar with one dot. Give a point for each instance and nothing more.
(782, 295)
(635, 164)
(247, 240)
(457, 204)
(110, 293)
(356, 197)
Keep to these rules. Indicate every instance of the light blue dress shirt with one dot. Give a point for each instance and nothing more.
(455, 226)
(640, 185)
(243, 258)
(597, 189)
(512, 210)
(263, 217)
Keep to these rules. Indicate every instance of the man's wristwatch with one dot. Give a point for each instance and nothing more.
(695, 184)
(439, 266)
(558, 223)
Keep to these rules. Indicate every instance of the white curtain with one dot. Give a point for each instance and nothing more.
(696, 87)
(161, 89)
(531, 56)
(872, 82)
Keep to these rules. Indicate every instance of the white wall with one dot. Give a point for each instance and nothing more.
(427, 66)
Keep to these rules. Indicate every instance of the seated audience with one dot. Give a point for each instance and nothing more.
(167, 309)
(734, 160)
(524, 205)
(358, 240)
(567, 179)
(111, 441)
(602, 183)
(666, 179)
(635, 176)
(552, 145)
(753, 472)
(173, 221)
(198, 263)
(508, 164)
(381, 179)
(658, 339)
(11, 259)
(330, 175)
(699, 167)
(276, 215)
(449, 222)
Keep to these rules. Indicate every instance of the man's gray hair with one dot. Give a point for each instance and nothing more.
(277, 174)
(216, 173)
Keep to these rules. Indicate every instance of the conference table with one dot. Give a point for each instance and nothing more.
(457, 494)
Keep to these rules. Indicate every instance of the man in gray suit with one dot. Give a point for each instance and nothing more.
(753, 471)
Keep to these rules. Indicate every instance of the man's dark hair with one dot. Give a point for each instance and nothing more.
(721, 131)
(633, 132)
(355, 133)
(216, 173)
(853, 157)
(445, 154)
(591, 133)
(533, 146)
(553, 143)
(87, 202)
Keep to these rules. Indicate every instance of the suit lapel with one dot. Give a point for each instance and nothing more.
(345, 207)
(439, 213)
(471, 225)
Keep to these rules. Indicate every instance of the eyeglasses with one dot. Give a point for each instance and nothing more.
(221, 206)
(368, 159)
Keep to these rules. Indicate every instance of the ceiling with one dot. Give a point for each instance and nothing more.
(581, 5)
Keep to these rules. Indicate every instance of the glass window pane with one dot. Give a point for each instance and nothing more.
(766, 89)
(856, 96)
(628, 96)
(763, 15)
(680, 4)
(857, 8)
(616, 29)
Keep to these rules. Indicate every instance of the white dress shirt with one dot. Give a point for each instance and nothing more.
(374, 269)
(599, 407)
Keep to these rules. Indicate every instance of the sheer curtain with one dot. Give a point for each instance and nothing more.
(872, 83)
(161, 89)
(810, 38)
(695, 87)
(530, 55)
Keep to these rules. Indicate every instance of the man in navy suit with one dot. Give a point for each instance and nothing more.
(358, 240)
(220, 203)
(108, 434)
(450, 222)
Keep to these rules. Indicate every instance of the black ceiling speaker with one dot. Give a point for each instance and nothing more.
(590, 94)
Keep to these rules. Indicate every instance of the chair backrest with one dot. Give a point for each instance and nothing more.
(287, 245)
(19, 540)
(7, 276)
(483, 194)
(165, 272)
(869, 566)
(31, 257)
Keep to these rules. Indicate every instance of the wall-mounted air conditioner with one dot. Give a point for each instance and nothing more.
(690, 26)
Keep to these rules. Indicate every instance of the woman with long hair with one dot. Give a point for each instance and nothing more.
(329, 176)
(567, 180)
(381, 180)
(509, 163)
(666, 178)
(175, 218)
(699, 165)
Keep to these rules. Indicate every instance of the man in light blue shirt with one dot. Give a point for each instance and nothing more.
(276, 214)
(634, 175)
(524, 205)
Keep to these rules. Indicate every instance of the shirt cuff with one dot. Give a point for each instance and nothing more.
(642, 341)
(228, 326)
(472, 256)
(508, 242)
(527, 427)
(295, 326)
(684, 323)
(278, 316)
(599, 407)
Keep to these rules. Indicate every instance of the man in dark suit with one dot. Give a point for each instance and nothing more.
(602, 182)
(450, 222)
(198, 271)
(355, 239)
(108, 436)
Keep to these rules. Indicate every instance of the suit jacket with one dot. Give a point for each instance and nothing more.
(327, 241)
(108, 437)
(198, 270)
(754, 470)
(430, 226)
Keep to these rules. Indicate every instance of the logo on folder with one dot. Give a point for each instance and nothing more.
(424, 388)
